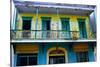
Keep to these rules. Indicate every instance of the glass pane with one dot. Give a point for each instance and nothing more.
(21, 61)
(32, 60)
(82, 56)
(26, 59)
(61, 60)
(56, 59)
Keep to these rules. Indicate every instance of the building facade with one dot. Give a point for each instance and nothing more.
(52, 33)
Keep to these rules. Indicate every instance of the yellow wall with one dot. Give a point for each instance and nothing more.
(54, 20)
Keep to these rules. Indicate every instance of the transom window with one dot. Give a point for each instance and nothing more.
(26, 59)
(56, 52)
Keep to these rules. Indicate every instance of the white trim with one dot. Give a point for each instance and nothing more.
(44, 41)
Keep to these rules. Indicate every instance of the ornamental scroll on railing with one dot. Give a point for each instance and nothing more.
(92, 35)
(45, 34)
(74, 35)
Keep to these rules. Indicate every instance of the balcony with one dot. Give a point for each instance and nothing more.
(48, 35)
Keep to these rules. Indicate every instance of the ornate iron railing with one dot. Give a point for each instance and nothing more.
(45, 34)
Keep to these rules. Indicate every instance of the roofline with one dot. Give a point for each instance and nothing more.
(55, 5)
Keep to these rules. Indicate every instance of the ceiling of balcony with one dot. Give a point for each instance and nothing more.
(52, 9)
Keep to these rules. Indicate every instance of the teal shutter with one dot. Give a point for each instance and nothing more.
(82, 28)
(44, 26)
(45, 32)
(65, 28)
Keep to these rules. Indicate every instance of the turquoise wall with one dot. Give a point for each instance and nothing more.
(42, 55)
(43, 52)
(15, 60)
(91, 52)
(43, 48)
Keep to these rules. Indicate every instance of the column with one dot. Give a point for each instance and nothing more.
(58, 23)
(36, 26)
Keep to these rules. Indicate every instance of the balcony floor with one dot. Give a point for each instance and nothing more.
(44, 41)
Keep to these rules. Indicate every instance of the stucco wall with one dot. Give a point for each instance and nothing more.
(55, 21)
(70, 55)
(44, 47)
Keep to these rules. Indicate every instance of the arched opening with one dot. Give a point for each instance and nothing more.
(56, 55)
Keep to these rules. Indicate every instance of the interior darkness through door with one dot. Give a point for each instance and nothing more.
(26, 24)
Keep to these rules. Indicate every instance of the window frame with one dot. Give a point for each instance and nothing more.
(82, 20)
(27, 18)
(60, 48)
(46, 19)
(82, 56)
(27, 56)
(67, 20)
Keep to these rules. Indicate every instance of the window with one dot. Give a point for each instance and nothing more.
(26, 23)
(56, 57)
(82, 56)
(26, 59)
(26, 27)
(65, 28)
(46, 23)
(46, 27)
(82, 28)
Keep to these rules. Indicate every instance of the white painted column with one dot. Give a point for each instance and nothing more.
(58, 19)
(12, 55)
(58, 23)
(36, 27)
(13, 16)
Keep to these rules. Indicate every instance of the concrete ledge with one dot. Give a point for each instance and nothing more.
(44, 41)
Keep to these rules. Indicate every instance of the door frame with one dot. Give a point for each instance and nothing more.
(60, 48)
